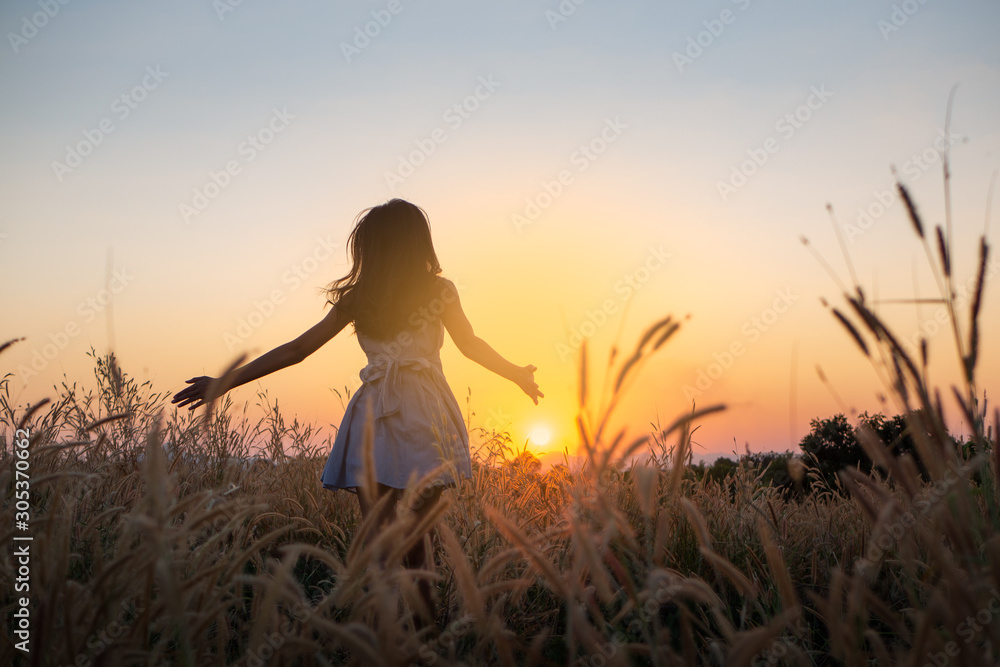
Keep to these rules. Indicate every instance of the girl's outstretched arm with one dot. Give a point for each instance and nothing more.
(478, 350)
(205, 389)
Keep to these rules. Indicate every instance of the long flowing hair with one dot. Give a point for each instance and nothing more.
(394, 269)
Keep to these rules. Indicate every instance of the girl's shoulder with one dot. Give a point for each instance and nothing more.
(445, 287)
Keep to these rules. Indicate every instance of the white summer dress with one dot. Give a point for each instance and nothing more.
(416, 421)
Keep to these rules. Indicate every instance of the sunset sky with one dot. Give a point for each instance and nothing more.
(587, 169)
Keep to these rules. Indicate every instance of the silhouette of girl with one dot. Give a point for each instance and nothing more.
(400, 306)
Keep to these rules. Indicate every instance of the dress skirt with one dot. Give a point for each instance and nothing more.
(416, 424)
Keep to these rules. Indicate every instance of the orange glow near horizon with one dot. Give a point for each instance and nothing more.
(771, 388)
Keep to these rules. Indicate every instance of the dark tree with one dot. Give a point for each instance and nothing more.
(833, 444)
(721, 469)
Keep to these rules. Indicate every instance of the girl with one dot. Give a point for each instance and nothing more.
(399, 306)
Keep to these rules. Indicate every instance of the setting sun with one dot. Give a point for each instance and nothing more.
(540, 435)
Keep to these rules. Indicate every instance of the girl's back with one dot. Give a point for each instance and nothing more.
(423, 340)
(417, 424)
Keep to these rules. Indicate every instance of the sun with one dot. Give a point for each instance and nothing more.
(540, 435)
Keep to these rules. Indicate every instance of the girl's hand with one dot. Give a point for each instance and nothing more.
(198, 391)
(524, 377)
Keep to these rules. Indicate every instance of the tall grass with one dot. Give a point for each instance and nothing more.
(162, 538)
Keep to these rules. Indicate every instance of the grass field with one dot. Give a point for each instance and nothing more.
(163, 538)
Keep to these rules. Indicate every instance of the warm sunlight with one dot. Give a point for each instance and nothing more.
(540, 435)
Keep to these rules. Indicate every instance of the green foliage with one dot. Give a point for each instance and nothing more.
(720, 469)
(833, 444)
(767, 469)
